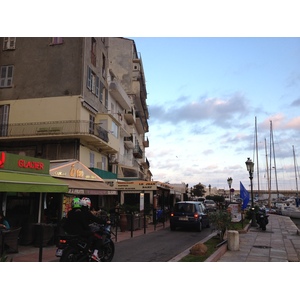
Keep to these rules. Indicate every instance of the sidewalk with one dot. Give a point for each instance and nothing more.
(32, 254)
(279, 243)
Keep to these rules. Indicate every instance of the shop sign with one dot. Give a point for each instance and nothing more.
(74, 170)
(20, 163)
(136, 185)
(91, 192)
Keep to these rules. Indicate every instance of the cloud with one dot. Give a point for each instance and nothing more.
(218, 111)
(296, 102)
(293, 123)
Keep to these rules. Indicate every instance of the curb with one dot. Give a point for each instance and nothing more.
(216, 255)
(187, 251)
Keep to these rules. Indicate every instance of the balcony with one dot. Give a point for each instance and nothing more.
(137, 152)
(146, 143)
(119, 94)
(129, 117)
(92, 133)
(146, 164)
(125, 130)
(128, 141)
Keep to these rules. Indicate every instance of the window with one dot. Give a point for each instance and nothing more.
(93, 52)
(9, 43)
(106, 98)
(57, 41)
(91, 124)
(104, 163)
(92, 159)
(114, 129)
(93, 82)
(103, 66)
(6, 76)
(4, 112)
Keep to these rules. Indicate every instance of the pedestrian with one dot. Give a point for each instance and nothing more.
(3, 222)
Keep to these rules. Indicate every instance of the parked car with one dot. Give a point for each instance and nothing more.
(189, 214)
(210, 205)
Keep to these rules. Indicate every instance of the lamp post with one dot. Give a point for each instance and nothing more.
(229, 181)
(250, 168)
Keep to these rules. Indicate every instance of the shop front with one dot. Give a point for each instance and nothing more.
(82, 182)
(25, 184)
(144, 196)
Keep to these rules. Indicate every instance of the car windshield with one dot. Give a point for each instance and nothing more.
(184, 207)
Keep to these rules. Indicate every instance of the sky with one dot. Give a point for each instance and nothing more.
(207, 96)
(211, 69)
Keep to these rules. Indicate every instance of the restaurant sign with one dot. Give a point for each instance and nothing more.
(21, 163)
(140, 185)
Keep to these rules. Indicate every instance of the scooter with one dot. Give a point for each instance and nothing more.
(262, 219)
(73, 248)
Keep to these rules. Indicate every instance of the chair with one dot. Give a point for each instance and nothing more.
(9, 240)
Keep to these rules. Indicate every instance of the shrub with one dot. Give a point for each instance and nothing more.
(220, 220)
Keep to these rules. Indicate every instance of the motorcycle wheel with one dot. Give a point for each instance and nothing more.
(263, 225)
(108, 251)
(70, 255)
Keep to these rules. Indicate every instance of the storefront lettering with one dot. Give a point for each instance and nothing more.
(2, 159)
(30, 164)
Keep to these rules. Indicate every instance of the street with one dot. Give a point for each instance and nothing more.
(159, 246)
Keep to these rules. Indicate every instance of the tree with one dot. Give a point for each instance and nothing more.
(198, 190)
(221, 221)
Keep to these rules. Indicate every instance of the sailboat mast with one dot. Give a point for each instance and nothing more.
(295, 170)
(257, 168)
(272, 142)
(269, 185)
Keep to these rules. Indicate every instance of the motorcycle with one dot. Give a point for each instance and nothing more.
(262, 218)
(73, 248)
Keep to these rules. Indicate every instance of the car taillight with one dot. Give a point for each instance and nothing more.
(62, 241)
(196, 216)
(172, 214)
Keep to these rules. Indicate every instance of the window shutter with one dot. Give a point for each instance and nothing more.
(97, 86)
(89, 79)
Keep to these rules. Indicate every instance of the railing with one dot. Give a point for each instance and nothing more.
(137, 151)
(54, 128)
(128, 139)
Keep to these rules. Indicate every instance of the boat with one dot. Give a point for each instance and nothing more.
(293, 210)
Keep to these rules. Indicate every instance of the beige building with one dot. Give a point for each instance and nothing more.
(75, 98)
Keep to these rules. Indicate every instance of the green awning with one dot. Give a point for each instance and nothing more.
(30, 183)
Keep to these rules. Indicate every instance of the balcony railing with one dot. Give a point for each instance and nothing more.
(137, 152)
(61, 128)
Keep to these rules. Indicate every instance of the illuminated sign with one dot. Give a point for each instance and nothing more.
(74, 170)
(21, 163)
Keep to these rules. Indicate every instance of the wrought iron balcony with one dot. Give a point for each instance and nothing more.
(137, 152)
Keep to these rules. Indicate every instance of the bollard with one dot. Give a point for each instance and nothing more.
(233, 240)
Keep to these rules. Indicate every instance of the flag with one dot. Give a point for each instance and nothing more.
(244, 195)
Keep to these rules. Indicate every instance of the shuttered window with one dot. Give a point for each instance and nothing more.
(6, 76)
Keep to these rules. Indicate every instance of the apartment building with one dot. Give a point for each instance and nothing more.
(75, 98)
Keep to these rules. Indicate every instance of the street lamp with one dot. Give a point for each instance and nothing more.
(250, 168)
(229, 181)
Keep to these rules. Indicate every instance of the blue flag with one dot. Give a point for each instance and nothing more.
(244, 194)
